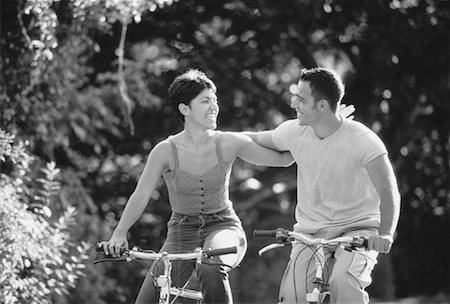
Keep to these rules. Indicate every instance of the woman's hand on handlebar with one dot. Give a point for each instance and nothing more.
(115, 245)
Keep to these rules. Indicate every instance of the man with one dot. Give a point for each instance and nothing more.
(345, 186)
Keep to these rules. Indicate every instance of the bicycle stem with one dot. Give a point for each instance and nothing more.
(319, 260)
(165, 281)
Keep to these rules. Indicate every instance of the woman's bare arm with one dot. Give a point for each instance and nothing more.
(157, 162)
(249, 151)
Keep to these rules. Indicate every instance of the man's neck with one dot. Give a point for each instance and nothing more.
(327, 126)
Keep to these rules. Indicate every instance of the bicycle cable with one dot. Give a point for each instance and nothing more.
(295, 262)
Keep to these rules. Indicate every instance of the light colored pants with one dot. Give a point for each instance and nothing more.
(347, 273)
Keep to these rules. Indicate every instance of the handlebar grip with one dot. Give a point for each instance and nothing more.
(220, 251)
(264, 234)
(279, 234)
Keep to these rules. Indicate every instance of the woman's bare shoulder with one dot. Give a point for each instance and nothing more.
(161, 150)
(161, 154)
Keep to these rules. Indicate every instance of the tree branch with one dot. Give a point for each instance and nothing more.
(122, 84)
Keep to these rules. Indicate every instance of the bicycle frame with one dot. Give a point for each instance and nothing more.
(164, 281)
(286, 237)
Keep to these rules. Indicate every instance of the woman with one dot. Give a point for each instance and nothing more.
(196, 165)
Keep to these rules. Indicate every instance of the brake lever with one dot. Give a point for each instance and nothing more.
(357, 243)
(272, 246)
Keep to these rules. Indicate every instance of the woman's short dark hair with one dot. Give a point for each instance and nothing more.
(324, 84)
(186, 87)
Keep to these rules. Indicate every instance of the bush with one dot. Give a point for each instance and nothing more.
(38, 261)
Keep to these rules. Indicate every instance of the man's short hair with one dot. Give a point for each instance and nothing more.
(324, 84)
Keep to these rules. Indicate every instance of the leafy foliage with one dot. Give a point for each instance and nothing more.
(37, 257)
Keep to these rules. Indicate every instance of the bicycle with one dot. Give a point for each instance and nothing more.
(164, 282)
(284, 237)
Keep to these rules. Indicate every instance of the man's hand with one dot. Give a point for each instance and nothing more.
(380, 243)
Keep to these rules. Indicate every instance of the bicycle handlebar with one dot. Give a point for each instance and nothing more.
(279, 233)
(127, 255)
(220, 251)
(284, 237)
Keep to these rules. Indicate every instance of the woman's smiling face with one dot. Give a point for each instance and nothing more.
(203, 110)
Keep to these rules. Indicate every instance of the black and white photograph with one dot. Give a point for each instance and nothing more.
(224, 151)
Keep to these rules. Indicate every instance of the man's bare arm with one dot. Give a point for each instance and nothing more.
(383, 178)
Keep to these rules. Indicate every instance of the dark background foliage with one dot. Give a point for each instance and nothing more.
(65, 99)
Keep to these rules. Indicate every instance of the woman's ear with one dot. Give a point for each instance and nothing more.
(184, 109)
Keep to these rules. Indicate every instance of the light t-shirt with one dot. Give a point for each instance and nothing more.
(334, 190)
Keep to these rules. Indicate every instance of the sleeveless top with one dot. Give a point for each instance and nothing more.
(192, 194)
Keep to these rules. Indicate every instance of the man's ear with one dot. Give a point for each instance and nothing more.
(323, 104)
(184, 109)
